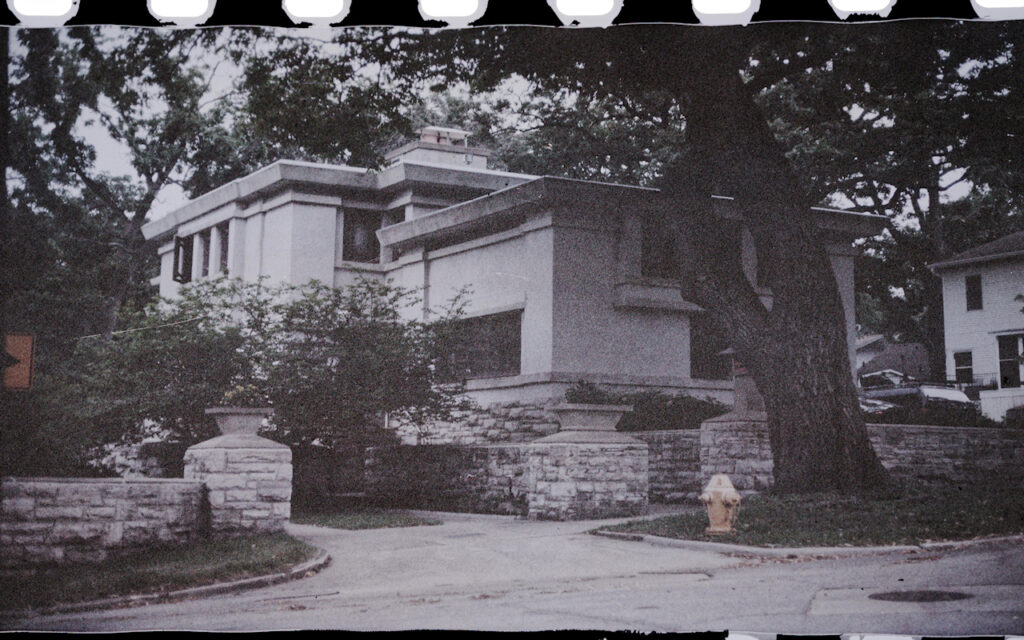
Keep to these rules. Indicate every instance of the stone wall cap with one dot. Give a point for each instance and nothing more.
(56, 480)
(570, 406)
(739, 416)
(590, 437)
(264, 411)
(239, 441)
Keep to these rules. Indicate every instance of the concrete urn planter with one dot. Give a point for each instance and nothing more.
(239, 420)
(590, 417)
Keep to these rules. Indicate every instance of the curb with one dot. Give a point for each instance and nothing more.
(795, 552)
(321, 560)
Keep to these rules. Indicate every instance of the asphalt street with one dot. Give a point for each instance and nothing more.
(500, 573)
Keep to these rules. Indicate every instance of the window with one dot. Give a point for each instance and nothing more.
(963, 366)
(706, 345)
(658, 255)
(222, 234)
(204, 247)
(488, 346)
(973, 285)
(360, 242)
(182, 260)
(1009, 360)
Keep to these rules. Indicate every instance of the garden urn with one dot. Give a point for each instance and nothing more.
(590, 417)
(239, 420)
(723, 502)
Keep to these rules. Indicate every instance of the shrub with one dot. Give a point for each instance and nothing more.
(943, 414)
(331, 362)
(652, 410)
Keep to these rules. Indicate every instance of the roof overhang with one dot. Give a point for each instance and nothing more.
(325, 178)
(946, 265)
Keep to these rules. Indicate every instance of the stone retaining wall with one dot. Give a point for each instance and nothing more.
(929, 454)
(673, 464)
(739, 449)
(494, 424)
(948, 455)
(68, 520)
(473, 479)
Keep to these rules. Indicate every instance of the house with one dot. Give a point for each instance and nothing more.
(571, 279)
(867, 347)
(875, 353)
(983, 323)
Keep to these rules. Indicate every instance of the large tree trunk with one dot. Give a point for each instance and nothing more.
(795, 347)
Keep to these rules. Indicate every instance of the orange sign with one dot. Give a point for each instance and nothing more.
(19, 346)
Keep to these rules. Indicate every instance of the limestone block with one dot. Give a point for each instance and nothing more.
(19, 508)
(241, 495)
(58, 513)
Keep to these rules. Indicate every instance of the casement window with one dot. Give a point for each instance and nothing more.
(222, 233)
(706, 345)
(359, 243)
(204, 245)
(659, 257)
(1010, 349)
(488, 346)
(211, 254)
(182, 259)
(972, 284)
(963, 366)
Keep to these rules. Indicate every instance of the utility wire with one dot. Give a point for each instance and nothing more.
(159, 326)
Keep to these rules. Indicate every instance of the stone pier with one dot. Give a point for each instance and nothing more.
(587, 470)
(249, 479)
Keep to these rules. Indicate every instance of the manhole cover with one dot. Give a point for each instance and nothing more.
(920, 596)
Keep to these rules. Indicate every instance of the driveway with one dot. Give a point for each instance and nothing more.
(500, 573)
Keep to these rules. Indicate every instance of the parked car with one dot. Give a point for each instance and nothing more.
(872, 406)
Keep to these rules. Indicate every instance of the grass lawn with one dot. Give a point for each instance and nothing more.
(155, 571)
(831, 520)
(363, 518)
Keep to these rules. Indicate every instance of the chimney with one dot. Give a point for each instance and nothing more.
(441, 145)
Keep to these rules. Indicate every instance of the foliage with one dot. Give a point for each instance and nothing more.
(915, 131)
(331, 362)
(156, 570)
(921, 515)
(652, 410)
(943, 414)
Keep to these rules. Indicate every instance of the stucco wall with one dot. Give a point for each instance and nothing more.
(58, 520)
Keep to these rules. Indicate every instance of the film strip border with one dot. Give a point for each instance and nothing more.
(727, 635)
(439, 13)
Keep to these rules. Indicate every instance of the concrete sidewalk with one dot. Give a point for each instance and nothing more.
(500, 573)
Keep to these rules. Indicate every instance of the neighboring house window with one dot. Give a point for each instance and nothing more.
(963, 366)
(360, 242)
(706, 345)
(658, 255)
(182, 260)
(489, 346)
(973, 284)
(1009, 360)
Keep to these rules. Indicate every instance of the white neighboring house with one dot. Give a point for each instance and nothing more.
(983, 323)
(571, 280)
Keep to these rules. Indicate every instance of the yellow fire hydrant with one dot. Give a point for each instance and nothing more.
(723, 503)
